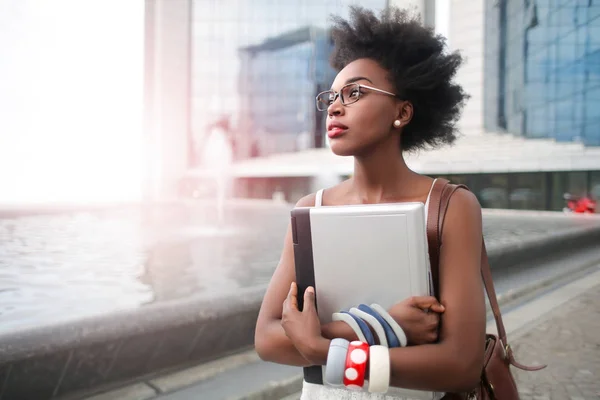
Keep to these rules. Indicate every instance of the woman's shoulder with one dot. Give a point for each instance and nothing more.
(464, 208)
(307, 201)
(333, 193)
(464, 198)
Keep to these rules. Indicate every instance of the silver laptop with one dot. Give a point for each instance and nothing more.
(355, 254)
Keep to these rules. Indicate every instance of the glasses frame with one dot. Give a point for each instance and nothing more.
(345, 103)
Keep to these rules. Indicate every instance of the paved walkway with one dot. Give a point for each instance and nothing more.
(568, 341)
(559, 327)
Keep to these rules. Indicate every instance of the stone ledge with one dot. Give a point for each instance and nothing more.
(543, 246)
(96, 352)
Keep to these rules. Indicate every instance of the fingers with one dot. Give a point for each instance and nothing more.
(433, 321)
(309, 299)
(291, 300)
(427, 303)
(437, 307)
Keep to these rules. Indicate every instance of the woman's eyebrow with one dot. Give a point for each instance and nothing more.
(355, 79)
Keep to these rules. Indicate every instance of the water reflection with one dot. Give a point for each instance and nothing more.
(69, 265)
(64, 266)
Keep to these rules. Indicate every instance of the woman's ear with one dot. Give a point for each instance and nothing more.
(404, 113)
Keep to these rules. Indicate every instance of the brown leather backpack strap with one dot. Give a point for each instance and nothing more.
(488, 282)
(438, 205)
(433, 230)
(486, 274)
(445, 202)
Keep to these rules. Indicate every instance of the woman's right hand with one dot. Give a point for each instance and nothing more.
(419, 318)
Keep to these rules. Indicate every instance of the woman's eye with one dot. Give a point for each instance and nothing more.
(354, 93)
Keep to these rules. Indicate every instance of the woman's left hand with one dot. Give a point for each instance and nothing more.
(302, 327)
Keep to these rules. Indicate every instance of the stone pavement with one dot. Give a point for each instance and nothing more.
(568, 341)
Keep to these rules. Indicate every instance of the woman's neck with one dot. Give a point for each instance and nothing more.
(381, 176)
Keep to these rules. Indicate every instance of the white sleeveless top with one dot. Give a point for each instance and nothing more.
(312, 391)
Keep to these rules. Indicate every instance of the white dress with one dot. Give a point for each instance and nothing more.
(312, 391)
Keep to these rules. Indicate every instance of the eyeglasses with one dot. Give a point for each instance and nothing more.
(348, 94)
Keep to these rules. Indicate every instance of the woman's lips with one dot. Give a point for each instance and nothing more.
(336, 131)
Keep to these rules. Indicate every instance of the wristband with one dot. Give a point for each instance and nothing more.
(356, 365)
(374, 324)
(379, 369)
(395, 327)
(392, 339)
(336, 362)
(358, 326)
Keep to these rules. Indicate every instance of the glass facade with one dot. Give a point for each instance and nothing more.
(531, 190)
(258, 65)
(278, 82)
(543, 69)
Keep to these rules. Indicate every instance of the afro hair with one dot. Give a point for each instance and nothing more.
(421, 71)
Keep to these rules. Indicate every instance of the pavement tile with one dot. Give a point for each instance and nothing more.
(569, 343)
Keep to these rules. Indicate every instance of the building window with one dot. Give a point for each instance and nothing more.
(546, 58)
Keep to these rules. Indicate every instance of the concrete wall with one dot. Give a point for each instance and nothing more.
(166, 96)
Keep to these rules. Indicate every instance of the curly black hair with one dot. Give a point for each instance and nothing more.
(418, 66)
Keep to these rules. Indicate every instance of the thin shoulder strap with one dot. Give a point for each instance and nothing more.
(438, 205)
(319, 198)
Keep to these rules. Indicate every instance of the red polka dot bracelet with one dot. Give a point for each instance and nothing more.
(356, 365)
(347, 365)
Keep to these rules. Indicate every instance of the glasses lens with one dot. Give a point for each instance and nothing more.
(324, 100)
(350, 93)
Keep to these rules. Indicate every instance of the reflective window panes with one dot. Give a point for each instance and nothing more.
(542, 69)
(577, 183)
(257, 67)
(493, 190)
(594, 189)
(527, 191)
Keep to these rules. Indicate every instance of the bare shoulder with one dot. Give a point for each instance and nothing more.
(307, 201)
(333, 195)
(464, 208)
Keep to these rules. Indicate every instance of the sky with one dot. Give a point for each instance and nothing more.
(71, 79)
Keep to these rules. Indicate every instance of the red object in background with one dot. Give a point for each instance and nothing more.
(580, 205)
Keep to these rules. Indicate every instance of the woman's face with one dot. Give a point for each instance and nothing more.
(355, 128)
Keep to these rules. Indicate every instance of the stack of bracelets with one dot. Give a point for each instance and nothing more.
(347, 361)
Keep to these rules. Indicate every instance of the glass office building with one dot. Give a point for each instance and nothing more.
(543, 69)
(258, 64)
(278, 81)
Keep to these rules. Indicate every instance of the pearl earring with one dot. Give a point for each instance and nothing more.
(397, 123)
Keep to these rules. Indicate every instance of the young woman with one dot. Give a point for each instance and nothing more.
(394, 93)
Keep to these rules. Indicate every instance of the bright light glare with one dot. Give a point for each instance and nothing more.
(71, 79)
(217, 154)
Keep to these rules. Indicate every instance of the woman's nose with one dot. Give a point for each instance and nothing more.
(335, 108)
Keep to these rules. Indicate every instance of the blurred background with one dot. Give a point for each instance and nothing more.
(150, 151)
(238, 78)
(532, 70)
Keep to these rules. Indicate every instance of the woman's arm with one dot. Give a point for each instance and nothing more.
(453, 364)
(270, 340)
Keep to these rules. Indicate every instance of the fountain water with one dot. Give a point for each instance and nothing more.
(217, 157)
